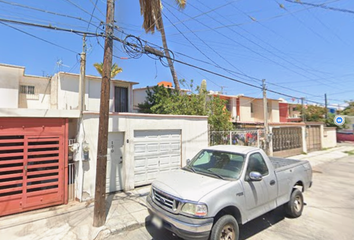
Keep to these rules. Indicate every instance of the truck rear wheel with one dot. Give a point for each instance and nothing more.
(225, 228)
(294, 207)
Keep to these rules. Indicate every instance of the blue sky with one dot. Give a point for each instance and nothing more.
(300, 50)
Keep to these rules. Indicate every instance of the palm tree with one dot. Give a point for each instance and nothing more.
(114, 70)
(151, 11)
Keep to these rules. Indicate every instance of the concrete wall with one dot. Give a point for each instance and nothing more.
(11, 78)
(9, 84)
(329, 137)
(194, 133)
(139, 96)
(68, 92)
(41, 97)
(257, 115)
(245, 109)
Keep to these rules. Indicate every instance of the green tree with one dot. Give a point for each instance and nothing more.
(151, 11)
(114, 70)
(349, 110)
(162, 100)
(317, 114)
(313, 113)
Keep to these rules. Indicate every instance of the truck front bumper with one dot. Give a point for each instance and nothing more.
(182, 226)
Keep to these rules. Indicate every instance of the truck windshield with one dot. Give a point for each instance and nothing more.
(222, 164)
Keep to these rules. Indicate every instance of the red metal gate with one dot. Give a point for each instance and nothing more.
(33, 163)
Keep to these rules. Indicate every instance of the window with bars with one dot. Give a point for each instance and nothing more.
(25, 89)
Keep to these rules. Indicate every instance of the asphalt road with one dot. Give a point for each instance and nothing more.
(328, 214)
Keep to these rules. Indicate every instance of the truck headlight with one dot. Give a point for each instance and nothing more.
(199, 210)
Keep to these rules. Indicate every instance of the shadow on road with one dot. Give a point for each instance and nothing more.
(261, 223)
(246, 231)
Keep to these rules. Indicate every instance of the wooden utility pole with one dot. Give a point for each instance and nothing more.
(326, 107)
(265, 116)
(99, 217)
(303, 109)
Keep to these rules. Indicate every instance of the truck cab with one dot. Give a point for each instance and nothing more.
(224, 186)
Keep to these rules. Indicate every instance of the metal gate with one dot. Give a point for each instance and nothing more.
(313, 133)
(287, 141)
(32, 164)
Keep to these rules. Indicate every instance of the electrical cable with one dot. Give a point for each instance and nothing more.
(44, 11)
(93, 10)
(208, 47)
(29, 34)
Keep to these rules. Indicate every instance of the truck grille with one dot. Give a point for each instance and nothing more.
(165, 200)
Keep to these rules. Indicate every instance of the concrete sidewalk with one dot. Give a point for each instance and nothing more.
(126, 211)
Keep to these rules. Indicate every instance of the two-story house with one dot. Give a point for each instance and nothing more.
(248, 111)
(45, 142)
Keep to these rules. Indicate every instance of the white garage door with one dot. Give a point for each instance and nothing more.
(115, 148)
(155, 152)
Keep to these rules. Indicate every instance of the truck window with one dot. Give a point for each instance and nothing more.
(256, 163)
(225, 164)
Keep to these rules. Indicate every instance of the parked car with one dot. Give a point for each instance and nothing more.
(224, 186)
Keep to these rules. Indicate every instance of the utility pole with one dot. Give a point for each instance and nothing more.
(302, 109)
(80, 138)
(265, 116)
(99, 217)
(82, 76)
(326, 107)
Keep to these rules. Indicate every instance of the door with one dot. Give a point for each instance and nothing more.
(313, 137)
(32, 164)
(155, 151)
(120, 99)
(114, 181)
(260, 195)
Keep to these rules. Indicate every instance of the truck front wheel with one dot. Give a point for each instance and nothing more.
(295, 206)
(225, 228)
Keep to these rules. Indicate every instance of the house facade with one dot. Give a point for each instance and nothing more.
(43, 130)
(289, 113)
(248, 112)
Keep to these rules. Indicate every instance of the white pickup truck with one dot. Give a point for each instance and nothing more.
(224, 186)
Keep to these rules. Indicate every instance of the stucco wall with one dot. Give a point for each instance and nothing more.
(9, 84)
(41, 97)
(194, 134)
(68, 92)
(139, 97)
(329, 137)
(245, 109)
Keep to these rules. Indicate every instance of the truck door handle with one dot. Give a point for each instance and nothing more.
(272, 182)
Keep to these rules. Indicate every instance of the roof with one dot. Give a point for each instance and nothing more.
(233, 148)
(98, 78)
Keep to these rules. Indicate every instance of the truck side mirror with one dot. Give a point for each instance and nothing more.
(188, 161)
(255, 176)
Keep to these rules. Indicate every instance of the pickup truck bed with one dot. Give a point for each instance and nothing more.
(284, 163)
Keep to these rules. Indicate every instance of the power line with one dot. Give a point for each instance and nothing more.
(42, 10)
(302, 23)
(77, 6)
(54, 44)
(208, 47)
(322, 5)
(203, 13)
(299, 62)
(98, 9)
(252, 20)
(51, 27)
(93, 10)
(224, 76)
(250, 49)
